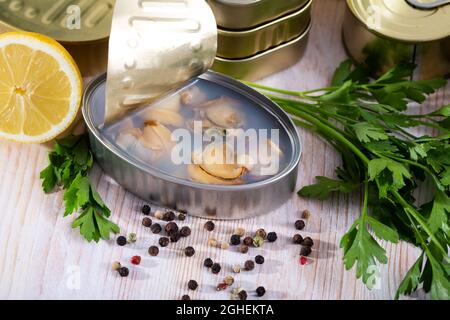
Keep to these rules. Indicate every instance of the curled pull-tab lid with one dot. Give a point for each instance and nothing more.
(156, 46)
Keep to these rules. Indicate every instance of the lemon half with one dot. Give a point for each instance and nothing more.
(40, 87)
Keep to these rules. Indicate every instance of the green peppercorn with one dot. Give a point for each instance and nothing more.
(192, 284)
(146, 209)
(248, 241)
(215, 268)
(123, 271)
(189, 251)
(308, 242)
(181, 216)
(209, 226)
(272, 236)
(208, 263)
(297, 239)
(259, 259)
(299, 224)
(153, 251)
(185, 231)
(260, 291)
(132, 237)
(261, 233)
(121, 241)
(156, 228)
(228, 280)
(235, 240)
(249, 265)
(116, 265)
(258, 241)
(164, 241)
(147, 222)
(305, 251)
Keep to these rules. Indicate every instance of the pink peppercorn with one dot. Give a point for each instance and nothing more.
(303, 260)
(136, 260)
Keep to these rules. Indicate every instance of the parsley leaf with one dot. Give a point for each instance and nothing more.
(367, 132)
(325, 187)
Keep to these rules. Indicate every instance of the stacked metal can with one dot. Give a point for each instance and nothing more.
(259, 37)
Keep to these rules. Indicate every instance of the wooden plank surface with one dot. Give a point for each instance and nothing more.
(41, 257)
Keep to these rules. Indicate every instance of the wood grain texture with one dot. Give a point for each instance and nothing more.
(41, 256)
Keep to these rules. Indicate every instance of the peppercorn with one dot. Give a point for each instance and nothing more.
(242, 295)
(221, 286)
(135, 260)
(215, 268)
(123, 271)
(121, 240)
(153, 251)
(240, 232)
(116, 265)
(175, 236)
(185, 232)
(181, 216)
(258, 241)
(170, 228)
(260, 291)
(228, 280)
(159, 214)
(236, 268)
(147, 222)
(249, 265)
(208, 263)
(297, 239)
(192, 284)
(306, 214)
(185, 297)
(303, 260)
(308, 242)
(243, 249)
(212, 242)
(209, 225)
(169, 216)
(261, 233)
(272, 236)
(132, 237)
(146, 209)
(156, 228)
(259, 259)
(305, 251)
(224, 245)
(163, 241)
(299, 224)
(189, 251)
(235, 240)
(248, 241)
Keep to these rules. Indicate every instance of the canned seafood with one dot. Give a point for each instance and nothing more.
(245, 43)
(81, 26)
(382, 33)
(130, 152)
(246, 14)
(264, 63)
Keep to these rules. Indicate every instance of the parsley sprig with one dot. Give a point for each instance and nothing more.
(70, 163)
(367, 122)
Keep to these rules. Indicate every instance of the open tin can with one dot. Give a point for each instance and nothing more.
(117, 149)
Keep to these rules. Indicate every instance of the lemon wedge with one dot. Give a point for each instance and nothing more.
(40, 88)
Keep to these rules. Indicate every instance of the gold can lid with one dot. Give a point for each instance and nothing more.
(397, 19)
(68, 21)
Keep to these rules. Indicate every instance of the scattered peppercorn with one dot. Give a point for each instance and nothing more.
(308, 242)
(215, 268)
(185, 297)
(132, 237)
(305, 251)
(228, 280)
(236, 268)
(303, 260)
(185, 232)
(272, 236)
(147, 222)
(249, 265)
(235, 240)
(135, 260)
(163, 241)
(192, 284)
(175, 236)
(208, 263)
(212, 242)
(240, 232)
(123, 271)
(181, 216)
(224, 245)
(306, 214)
(153, 251)
(260, 291)
(248, 241)
(243, 248)
(156, 228)
(170, 228)
(299, 224)
(116, 265)
(258, 241)
(146, 209)
(261, 233)
(169, 216)
(189, 251)
(297, 239)
(259, 259)
(242, 295)
(159, 214)
(121, 240)
(209, 225)
(221, 286)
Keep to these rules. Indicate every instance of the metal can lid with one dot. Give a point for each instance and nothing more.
(401, 21)
(68, 21)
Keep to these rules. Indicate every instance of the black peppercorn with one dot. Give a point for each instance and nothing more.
(305, 251)
(163, 241)
(215, 268)
(260, 291)
(175, 236)
(185, 231)
(189, 251)
(297, 239)
(248, 241)
(243, 249)
(170, 228)
(153, 251)
(272, 236)
(209, 225)
(121, 240)
(249, 265)
(235, 240)
(299, 224)
(208, 263)
(156, 228)
(169, 216)
(185, 297)
(259, 259)
(308, 242)
(146, 209)
(147, 222)
(192, 284)
(123, 271)
(242, 295)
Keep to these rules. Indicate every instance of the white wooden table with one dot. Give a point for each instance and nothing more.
(41, 257)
